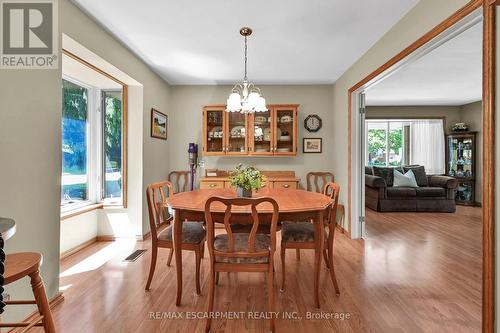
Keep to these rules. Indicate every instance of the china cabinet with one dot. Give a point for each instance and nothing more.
(270, 133)
(461, 164)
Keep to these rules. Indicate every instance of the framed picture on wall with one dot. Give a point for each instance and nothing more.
(158, 124)
(312, 145)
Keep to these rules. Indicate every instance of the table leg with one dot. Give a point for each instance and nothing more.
(319, 240)
(177, 237)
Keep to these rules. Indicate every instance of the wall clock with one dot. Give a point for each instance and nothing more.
(313, 123)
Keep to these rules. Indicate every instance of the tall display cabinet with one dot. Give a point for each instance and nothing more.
(461, 164)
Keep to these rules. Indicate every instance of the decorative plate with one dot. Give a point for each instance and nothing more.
(267, 134)
(260, 120)
(238, 132)
(216, 132)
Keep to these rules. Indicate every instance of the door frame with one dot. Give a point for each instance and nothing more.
(432, 39)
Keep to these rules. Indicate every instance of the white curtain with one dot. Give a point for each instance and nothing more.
(427, 145)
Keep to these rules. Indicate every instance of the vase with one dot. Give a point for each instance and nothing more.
(243, 193)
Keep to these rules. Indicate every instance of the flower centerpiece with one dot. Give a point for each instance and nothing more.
(245, 179)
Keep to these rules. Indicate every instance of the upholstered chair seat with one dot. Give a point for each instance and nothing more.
(160, 218)
(298, 232)
(192, 233)
(262, 243)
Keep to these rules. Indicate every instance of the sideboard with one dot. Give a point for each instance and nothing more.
(272, 179)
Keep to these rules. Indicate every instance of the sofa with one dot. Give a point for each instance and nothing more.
(433, 194)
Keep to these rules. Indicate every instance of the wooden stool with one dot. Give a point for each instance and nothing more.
(17, 266)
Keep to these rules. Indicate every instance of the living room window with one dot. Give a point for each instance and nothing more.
(75, 139)
(396, 142)
(92, 138)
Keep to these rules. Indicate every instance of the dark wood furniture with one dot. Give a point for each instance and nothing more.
(270, 133)
(180, 180)
(7, 229)
(191, 237)
(294, 205)
(461, 164)
(27, 264)
(273, 179)
(240, 252)
(302, 235)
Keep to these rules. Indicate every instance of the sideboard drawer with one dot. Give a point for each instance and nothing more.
(209, 185)
(285, 185)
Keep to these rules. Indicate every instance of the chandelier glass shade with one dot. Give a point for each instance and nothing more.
(245, 97)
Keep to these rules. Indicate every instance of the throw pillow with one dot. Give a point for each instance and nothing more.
(385, 173)
(406, 180)
(420, 175)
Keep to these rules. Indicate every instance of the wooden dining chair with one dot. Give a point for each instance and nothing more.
(300, 235)
(180, 180)
(193, 233)
(315, 181)
(319, 180)
(240, 252)
(17, 267)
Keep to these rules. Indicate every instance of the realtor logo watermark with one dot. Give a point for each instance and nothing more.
(29, 34)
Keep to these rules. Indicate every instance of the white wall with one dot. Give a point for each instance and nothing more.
(147, 157)
(78, 230)
(421, 19)
(186, 126)
(30, 172)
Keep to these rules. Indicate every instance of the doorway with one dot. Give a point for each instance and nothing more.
(374, 90)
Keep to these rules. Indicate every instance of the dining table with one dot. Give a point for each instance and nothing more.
(294, 205)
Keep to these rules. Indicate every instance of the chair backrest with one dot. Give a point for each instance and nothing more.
(313, 178)
(155, 195)
(332, 190)
(227, 205)
(180, 180)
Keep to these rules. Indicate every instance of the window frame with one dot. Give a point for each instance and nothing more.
(102, 155)
(95, 136)
(90, 192)
(406, 154)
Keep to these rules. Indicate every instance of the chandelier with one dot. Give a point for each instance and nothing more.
(246, 97)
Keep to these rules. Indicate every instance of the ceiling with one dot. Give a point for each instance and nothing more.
(449, 75)
(294, 41)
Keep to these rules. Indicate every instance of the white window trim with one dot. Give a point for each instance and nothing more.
(95, 152)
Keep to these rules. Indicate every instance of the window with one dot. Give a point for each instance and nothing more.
(112, 144)
(92, 144)
(404, 142)
(75, 151)
(387, 143)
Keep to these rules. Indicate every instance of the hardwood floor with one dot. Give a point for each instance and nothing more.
(415, 272)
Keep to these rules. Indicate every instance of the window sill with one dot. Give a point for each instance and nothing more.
(80, 210)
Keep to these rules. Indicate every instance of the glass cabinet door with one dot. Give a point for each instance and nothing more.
(460, 158)
(262, 138)
(214, 122)
(236, 133)
(284, 131)
(465, 192)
